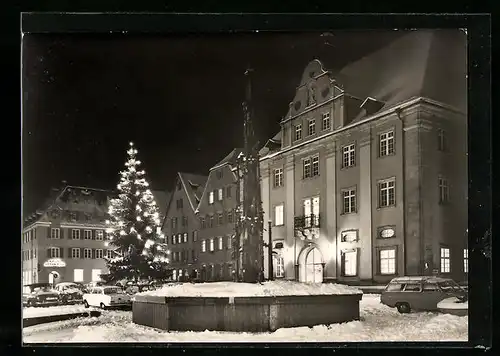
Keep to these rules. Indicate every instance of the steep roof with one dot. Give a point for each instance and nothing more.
(161, 197)
(193, 184)
(229, 159)
(273, 144)
(422, 63)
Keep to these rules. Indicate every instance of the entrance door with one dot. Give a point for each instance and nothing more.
(314, 267)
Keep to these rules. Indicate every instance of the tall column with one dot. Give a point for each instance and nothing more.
(365, 209)
(264, 186)
(289, 220)
(329, 222)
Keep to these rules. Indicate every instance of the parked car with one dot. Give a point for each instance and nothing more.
(69, 293)
(420, 293)
(91, 285)
(40, 294)
(106, 297)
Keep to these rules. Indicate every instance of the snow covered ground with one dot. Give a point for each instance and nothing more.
(274, 288)
(55, 310)
(378, 323)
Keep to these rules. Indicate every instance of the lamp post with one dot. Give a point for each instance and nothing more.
(270, 251)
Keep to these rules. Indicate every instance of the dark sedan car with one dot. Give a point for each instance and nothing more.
(69, 293)
(40, 294)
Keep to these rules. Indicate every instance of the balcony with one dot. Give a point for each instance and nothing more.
(307, 226)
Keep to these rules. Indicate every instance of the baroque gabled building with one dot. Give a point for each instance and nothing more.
(65, 240)
(181, 225)
(367, 178)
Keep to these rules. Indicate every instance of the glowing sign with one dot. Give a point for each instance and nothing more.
(54, 262)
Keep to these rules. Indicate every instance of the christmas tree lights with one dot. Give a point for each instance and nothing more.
(134, 227)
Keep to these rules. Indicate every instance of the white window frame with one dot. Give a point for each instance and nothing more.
(87, 253)
(55, 233)
(203, 245)
(212, 245)
(99, 235)
(87, 234)
(80, 275)
(326, 122)
(349, 236)
(211, 197)
(306, 168)
(445, 260)
(221, 243)
(315, 166)
(386, 143)
(278, 177)
(99, 253)
(185, 237)
(75, 252)
(298, 132)
(349, 197)
(230, 216)
(109, 253)
(311, 127)
(229, 242)
(386, 186)
(466, 260)
(349, 155)
(220, 219)
(220, 194)
(350, 261)
(279, 215)
(444, 190)
(75, 234)
(441, 140)
(55, 252)
(280, 267)
(388, 256)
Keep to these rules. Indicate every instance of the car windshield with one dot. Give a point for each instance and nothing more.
(449, 286)
(112, 291)
(42, 289)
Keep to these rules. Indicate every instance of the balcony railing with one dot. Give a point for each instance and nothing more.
(307, 222)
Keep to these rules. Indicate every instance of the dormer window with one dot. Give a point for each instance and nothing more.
(298, 132)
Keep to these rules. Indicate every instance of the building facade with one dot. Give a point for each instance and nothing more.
(181, 226)
(367, 179)
(65, 241)
(217, 213)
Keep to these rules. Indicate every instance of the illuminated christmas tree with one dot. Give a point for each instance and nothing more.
(134, 228)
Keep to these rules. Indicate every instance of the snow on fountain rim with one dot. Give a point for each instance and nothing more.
(452, 303)
(266, 289)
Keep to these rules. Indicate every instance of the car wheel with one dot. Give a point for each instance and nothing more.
(29, 304)
(403, 308)
(86, 304)
(103, 306)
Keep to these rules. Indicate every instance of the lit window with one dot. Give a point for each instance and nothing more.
(298, 132)
(442, 140)
(185, 237)
(87, 253)
(349, 198)
(388, 261)
(349, 236)
(78, 275)
(278, 177)
(211, 244)
(55, 233)
(221, 243)
(348, 156)
(280, 267)
(311, 127)
(220, 194)
(229, 242)
(179, 238)
(387, 193)
(444, 194)
(466, 260)
(220, 218)
(99, 235)
(203, 245)
(314, 211)
(96, 275)
(325, 124)
(195, 236)
(387, 144)
(445, 260)
(211, 198)
(99, 253)
(278, 215)
(174, 240)
(350, 263)
(55, 252)
(87, 234)
(75, 253)
(211, 223)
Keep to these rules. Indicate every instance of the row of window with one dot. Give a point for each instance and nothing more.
(55, 233)
(220, 218)
(29, 236)
(216, 240)
(183, 256)
(183, 238)
(29, 254)
(386, 198)
(311, 126)
(77, 252)
(72, 215)
(219, 193)
(174, 222)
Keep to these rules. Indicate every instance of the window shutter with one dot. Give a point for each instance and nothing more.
(82, 233)
(93, 232)
(104, 235)
(69, 253)
(48, 232)
(342, 263)
(81, 252)
(93, 253)
(48, 252)
(61, 252)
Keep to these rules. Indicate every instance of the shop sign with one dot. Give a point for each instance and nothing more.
(54, 262)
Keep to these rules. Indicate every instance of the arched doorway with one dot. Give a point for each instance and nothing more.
(311, 265)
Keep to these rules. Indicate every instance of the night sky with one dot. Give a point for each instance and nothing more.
(178, 98)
